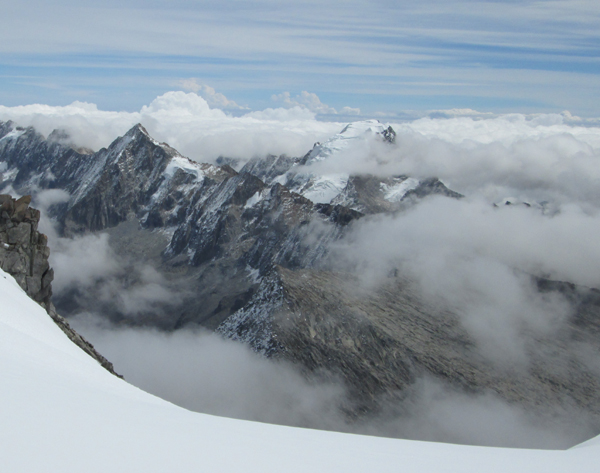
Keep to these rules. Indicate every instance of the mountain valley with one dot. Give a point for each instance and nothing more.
(254, 255)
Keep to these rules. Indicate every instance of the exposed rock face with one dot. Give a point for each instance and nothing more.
(381, 341)
(372, 195)
(24, 251)
(219, 225)
(389, 135)
(24, 255)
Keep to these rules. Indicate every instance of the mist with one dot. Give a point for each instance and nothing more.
(202, 372)
(508, 156)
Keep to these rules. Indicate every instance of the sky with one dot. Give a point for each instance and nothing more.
(339, 58)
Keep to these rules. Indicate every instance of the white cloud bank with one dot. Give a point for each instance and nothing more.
(213, 98)
(533, 158)
(187, 122)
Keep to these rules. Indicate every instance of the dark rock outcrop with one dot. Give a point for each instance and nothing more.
(24, 251)
(389, 135)
(24, 255)
(431, 186)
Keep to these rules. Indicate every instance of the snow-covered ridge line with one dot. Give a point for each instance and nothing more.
(396, 191)
(323, 187)
(344, 139)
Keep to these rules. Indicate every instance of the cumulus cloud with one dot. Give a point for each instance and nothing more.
(311, 101)
(186, 121)
(283, 114)
(179, 105)
(213, 98)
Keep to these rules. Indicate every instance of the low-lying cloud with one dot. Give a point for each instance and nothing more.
(81, 261)
(89, 273)
(509, 156)
(477, 260)
(202, 372)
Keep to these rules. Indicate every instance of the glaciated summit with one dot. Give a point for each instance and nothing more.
(315, 177)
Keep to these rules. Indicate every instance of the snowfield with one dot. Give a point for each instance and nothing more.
(62, 412)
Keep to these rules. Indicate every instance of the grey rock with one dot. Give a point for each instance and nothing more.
(21, 280)
(15, 262)
(20, 234)
(389, 135)
(432, 186)
(47, 278)
(7, 204)
(270, 167)
(34, 285)
(79, 340)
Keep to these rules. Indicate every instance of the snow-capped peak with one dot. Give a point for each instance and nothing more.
(351, 134)
(136, 129)
(323, 188)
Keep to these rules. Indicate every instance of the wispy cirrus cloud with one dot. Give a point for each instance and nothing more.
(495, 55)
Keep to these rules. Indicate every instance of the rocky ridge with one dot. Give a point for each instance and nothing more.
(24, 255)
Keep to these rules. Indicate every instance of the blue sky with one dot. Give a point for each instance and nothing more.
(382, 57)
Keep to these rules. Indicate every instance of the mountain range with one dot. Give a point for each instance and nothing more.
(248, 253)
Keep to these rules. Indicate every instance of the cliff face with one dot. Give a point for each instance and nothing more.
(24, 251)
(24, 255)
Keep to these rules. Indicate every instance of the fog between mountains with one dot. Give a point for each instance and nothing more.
(464, 254)
(202, 372)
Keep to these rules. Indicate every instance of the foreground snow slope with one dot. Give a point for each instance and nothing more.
(61, 412)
